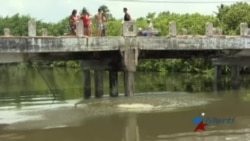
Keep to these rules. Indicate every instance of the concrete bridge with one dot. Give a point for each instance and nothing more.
(121, 53)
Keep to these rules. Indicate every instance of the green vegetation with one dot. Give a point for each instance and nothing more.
(228, 17)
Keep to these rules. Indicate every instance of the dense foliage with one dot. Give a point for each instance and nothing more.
(228, 17)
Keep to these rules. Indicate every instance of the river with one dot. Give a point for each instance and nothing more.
(46, 104)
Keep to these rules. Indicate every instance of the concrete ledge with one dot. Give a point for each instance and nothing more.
(11, 57)
(79, 44)
(58, 44)
(194, 43)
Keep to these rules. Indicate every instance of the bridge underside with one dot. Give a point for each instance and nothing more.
(113, 55)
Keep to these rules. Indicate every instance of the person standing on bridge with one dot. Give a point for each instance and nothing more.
(86, 23)
(99, 22)
(127, 16)
(104, 20)
(72, 22)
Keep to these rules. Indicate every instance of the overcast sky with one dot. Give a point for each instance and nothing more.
(55, 10)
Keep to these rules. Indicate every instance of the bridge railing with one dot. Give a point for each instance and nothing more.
(129, 28)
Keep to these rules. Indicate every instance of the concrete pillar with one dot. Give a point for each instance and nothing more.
(113, 83)
(184, 31)
(209, 29)
(98, 83)
(131, 129)
(217, 31)
(235, 81)
(244, 29)
(87, 84)
(79, 28)
(44, 32)
(172, 29)
(6, 31)
(129, 28)
(217, 78)
(32, 28)
(130, 60)
(129, 83)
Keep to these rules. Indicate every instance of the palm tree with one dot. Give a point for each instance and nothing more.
(106, 12)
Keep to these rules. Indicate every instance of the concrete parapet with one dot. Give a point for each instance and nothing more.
(217, 31)
(79, 28)
(129, 28)
(172, 29)
(209, 29)
(32, 28)
(244, 30)
(184, 31)
(44, 32)
(6, 31)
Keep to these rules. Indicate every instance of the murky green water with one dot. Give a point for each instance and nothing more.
(46, 105)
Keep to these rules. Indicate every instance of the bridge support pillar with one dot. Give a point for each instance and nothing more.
(87, 84)
(235, 81)
(98, 83)
(129, 83)
(129, 53)
(217, 78)
(234, 63)
(113, 83)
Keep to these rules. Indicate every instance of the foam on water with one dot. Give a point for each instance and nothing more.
(51, 127)
(13, 116)
(136, 107)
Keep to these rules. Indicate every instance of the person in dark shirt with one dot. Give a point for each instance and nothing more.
(127, 17)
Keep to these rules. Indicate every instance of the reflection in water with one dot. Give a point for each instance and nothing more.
(131, 128)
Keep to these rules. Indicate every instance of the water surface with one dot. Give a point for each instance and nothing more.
(47, 105)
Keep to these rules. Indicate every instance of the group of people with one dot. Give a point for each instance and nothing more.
(100, 20)
(100, 23)
(74, 18)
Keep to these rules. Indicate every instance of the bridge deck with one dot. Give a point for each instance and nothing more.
(14, 44)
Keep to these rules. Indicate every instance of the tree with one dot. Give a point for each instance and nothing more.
(230, 16)
(151, 15)
(17, 24)
(105, 9)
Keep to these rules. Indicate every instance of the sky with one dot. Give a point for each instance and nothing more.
(55, 10)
